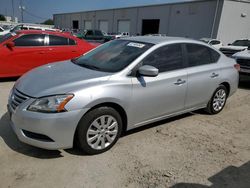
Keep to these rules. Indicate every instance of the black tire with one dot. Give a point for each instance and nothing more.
(86, 122)
(210, 108)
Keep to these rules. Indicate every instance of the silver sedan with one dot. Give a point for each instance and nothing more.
(121, 85)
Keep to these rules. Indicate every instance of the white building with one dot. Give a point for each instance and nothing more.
(223, 19)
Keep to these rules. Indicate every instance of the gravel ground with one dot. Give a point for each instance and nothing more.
(192, 150)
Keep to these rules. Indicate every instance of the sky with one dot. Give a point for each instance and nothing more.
(37, 11)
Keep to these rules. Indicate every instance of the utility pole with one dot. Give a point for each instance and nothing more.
(22, 8)
(13, 12)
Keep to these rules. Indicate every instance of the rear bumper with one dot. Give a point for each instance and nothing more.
(59, 127)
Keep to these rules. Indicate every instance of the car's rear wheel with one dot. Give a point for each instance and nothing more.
(99, 130)
(218, 100)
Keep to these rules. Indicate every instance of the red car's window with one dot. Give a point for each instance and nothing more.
(72, 42)
(30, 40)
(60, 41)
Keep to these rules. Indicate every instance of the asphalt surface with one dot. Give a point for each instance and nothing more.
(192, 150)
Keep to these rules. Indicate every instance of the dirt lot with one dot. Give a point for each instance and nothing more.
(192, 150)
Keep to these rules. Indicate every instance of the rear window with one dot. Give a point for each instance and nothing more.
(241, 43)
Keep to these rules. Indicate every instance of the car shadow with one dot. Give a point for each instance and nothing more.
(76, 151)
(12, 79)
(12, 141)
(9, 137)
(158, 123)
(229, 177)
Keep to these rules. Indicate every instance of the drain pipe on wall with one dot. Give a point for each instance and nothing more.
(215, 17)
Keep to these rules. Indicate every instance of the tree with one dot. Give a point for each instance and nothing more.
(48, 22)
(2, 17)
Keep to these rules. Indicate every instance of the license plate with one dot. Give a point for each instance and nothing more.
(245, 70)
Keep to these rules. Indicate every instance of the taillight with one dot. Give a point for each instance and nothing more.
(237, 67)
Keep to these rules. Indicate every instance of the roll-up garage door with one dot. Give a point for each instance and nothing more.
(87, 25)
(123, 26)
(103, 25)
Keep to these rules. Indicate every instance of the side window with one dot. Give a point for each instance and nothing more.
(72, 42)
(90, 32)
(98, 33)
(215, 42)
(166, 58)
(198, 55)
(30, 40)
(57, 41)
(215, 55)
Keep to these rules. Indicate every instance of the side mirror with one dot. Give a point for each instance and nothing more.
(147, 70)
(10, 45)
(229, 44)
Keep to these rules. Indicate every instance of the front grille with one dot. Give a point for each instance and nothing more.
(229, 52)
(244, 63)
(17, 98)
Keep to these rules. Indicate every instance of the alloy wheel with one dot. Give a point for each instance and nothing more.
(102, 132)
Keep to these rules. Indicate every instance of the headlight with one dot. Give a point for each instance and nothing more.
(52, 104)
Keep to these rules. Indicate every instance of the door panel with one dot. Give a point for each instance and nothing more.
(202, 82)
(22, 59)
(203, 74)
(27, 54)
(59, 49)
(158, 96)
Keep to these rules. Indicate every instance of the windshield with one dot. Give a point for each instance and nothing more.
(6, 37)
(16, 28)
(113, 56)
(241, 43)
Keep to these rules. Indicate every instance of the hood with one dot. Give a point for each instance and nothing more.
(233, 48)
(244, 54)
(58, 78)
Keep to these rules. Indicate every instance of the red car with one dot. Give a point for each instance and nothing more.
(25, 50)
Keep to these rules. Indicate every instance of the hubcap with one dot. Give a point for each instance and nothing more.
(102, 132)
(219, 100)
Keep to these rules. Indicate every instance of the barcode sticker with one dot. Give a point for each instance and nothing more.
(137, 45)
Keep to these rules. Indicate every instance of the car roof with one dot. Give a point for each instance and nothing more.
(42, 32)
(158, 39)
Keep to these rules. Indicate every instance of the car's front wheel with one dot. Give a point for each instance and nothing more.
(99, 130)
(218, 100)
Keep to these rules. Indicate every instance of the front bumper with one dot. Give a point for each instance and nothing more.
(59, 127)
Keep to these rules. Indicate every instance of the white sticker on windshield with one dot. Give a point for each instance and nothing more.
(137, 45)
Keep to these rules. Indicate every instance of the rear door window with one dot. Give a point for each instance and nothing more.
(72, 42)
(58, 41)
(30, 40)
(200, 55)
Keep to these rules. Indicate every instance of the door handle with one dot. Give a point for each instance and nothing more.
(214, 75)
(180, 82)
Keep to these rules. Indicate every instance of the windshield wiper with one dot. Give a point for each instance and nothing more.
(90, 66)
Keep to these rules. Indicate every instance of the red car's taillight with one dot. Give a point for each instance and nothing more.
(237, 67)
